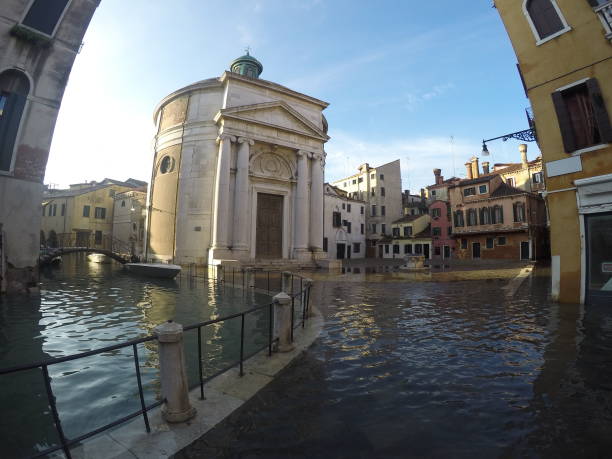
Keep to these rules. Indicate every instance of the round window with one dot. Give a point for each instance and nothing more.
(166, 165)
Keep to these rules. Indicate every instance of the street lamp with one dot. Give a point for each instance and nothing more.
(485, 151)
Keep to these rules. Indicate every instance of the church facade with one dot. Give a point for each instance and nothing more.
(238, 172)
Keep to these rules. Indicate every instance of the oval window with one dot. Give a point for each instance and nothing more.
(166, 165)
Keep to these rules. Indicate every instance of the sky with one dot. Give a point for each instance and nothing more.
(423, 82)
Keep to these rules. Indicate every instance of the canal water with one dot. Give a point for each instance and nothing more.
(434, 370)
(85, 306)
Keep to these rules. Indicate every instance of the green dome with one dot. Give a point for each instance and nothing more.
(247, 65)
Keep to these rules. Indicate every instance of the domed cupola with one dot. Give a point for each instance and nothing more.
(247, 65)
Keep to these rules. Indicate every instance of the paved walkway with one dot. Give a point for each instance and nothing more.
(424, 369)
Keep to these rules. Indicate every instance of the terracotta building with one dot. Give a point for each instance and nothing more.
(564, 54)
(443, 243)
(494, 220)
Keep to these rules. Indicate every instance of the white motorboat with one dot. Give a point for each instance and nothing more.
(159, 270)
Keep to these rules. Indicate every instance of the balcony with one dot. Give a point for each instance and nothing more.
(605, 16)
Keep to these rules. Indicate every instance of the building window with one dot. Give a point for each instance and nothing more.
(361, 210)
(373, 211)
(497, 214)
(485, 216)
(437, 250)
(386, 248)
(408, 248)
(382, 190)
(433, 192)
(343, 206)
(98, 236)
(545, 18)
(482, 189)
(373, 191)
(408, 231)
(362, 228)
(43, 214)
(464, 244)
(459, 218)
(396, 248)
(435, 212)
(489, 243)
(501, 240)
(469, 191)
(356, 247)
(100, 212)
(511, 181)
(537, 177)
(86, 211)
(14, 90)
(336, 220)
(348, 227)
(383, 210)
(382, 176)
(348, 207)
(54, 210)
(472, 218)
(450, 230)
(122, 203)
(436, 231)
(166, 165)
(418, 249)
(44, 15)
(325, 244)
(519, 212)
(582, 115)
(354, 181)
(374, 227)
(383, 228)
(360, 180)
(395, 231)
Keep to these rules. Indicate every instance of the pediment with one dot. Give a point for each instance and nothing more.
(276, 114)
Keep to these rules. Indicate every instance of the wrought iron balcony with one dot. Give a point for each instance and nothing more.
(605, 16)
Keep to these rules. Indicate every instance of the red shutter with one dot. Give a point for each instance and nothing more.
(599, 110)
(565, 125)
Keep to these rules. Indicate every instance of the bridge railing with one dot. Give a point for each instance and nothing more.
(87, 240)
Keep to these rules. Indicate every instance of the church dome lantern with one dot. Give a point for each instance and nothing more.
(247, 65)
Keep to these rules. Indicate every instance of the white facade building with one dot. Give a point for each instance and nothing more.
(238, 172)
(129, 220)
(345, 225)
(381, 188)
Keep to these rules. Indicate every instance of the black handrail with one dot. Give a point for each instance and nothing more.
(66, 443)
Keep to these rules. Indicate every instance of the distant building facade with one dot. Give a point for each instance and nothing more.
(345, 221)
(381, 188)
(563, 51)
(129, 214)
(237, 172)
(83, 214)
(443, 242)
(39, 42)
(493, 220)
(414, 204)
(410, 235)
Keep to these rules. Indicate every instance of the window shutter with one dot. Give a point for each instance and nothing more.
(567, 134)
(593, 3)
(599, 109)
(501, 214)
(514, 213)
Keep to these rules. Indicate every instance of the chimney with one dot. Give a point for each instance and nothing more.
(485, 167)
(468, 169)
(475, 171)
(523, 151)
(439, 178)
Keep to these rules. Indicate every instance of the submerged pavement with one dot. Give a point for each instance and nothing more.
(434, 369)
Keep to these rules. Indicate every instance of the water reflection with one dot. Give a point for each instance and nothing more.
(85, 306)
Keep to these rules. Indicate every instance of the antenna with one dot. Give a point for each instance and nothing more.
(452, 152)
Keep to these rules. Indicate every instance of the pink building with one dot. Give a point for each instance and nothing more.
(441, 230)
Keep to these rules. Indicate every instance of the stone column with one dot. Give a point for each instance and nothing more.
(282, 303)
(316, 203)
(220, 239)
(301, 206)
(241, 196)
(174, 387)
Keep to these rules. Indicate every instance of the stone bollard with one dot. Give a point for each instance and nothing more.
(282, 306)
(286, 284)
(249, 274)
(174, 387)
(308, 288)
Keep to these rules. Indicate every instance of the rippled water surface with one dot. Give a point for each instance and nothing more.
(85, 306)
(423, 369)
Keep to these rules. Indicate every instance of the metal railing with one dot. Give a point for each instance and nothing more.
(65, 443)
(605, 16)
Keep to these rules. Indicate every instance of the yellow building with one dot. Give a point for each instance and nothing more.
(83, 214)
(565, 58)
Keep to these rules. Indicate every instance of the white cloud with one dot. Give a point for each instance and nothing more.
(418, 156)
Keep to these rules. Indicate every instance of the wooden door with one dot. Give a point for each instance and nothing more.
(524, 250)
(475, 249)
(269, 229)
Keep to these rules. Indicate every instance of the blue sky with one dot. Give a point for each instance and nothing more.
(401, 78)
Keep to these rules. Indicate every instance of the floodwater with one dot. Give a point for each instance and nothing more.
(85, 306)
(434, 370)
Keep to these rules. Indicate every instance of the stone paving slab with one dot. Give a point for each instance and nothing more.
(223, 395)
